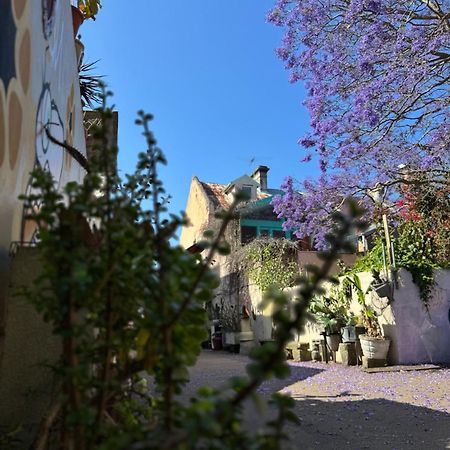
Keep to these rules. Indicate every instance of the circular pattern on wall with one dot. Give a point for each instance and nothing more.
(48, 154)
(19, 8)
(24, 61)
(15, 117)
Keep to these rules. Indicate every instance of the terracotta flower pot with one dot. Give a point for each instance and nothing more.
(77, 20)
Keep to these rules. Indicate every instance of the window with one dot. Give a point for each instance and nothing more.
(278, 234)
(247, 234)
(246, 190)
(262, 228)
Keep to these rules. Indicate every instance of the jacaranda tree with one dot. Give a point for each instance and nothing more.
(377, 77)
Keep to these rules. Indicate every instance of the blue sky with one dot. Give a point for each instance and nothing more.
(207, 71)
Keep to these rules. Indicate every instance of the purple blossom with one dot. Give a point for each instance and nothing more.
(377, 78)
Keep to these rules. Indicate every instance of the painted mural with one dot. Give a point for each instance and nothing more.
(38, 90)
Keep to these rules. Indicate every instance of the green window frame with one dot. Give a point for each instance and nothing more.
(265, 225)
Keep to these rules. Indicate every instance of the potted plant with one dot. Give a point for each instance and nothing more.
(332, 313)
(83, 10)
(333, 335)
(90, 85)
(373, 344)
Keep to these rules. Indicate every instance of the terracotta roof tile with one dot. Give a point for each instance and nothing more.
(216, 193)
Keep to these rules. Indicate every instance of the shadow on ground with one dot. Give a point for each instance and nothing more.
(342, 421)
(213, 369)
(367, 424)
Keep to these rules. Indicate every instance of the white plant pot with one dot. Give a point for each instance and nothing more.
(232, 337)
(374, 348)
(246, 336)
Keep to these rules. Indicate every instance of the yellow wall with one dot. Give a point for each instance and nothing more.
(198, 212)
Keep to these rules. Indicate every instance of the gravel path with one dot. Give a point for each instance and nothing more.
(344, 408)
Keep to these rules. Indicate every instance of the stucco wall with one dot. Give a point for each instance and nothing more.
(198, 212)
(306, 258)
(418, 334)
(26, 380)
(38, 87)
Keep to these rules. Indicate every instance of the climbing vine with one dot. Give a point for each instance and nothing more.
(414, 252)
(271, 263)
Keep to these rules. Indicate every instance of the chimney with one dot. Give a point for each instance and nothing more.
(260, 176)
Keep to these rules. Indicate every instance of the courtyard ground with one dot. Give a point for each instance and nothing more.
(342, 407)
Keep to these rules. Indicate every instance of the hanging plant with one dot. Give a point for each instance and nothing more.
(90, 84)
(270, 263)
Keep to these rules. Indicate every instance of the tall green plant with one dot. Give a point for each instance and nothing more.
(125, 302)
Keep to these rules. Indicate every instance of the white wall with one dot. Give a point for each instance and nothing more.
(419, 334)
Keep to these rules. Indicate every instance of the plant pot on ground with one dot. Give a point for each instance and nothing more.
(331, 312)
(232, 341)
(348, 332)
(217, 341)
(373, 344)
(374, 347)
(333, 341)
(230, 320)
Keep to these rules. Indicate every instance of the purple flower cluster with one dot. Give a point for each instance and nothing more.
(377, 74)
